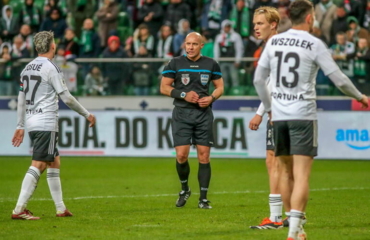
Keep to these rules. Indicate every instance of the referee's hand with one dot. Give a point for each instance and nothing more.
(192, 97)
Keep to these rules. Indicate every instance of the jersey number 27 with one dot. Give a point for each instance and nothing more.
(31, 87)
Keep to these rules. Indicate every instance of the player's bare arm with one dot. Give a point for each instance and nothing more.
(166, 89)
(217, 93)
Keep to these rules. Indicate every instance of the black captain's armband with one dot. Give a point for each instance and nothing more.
(175, 93)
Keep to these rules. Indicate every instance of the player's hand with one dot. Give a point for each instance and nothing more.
(205, 101)
(364, 101)
(255, 122)
(192, 97)
(92, 120)
(18, 137)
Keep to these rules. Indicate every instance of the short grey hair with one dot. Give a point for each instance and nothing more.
(42, 41)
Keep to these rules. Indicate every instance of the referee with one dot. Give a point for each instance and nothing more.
(186, 79)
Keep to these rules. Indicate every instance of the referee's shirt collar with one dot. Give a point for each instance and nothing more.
(192, 60)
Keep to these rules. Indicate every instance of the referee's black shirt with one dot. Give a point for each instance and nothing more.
(192, 76)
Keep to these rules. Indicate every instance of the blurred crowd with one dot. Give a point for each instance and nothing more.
(157, 29)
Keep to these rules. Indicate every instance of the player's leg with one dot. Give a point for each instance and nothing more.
(272, 164)
(275, 201)
(203, 138)
(55, 187)
(39, 163)
(303, 148)
(181, 134)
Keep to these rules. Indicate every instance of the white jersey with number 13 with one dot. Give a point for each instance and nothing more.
(294, 58)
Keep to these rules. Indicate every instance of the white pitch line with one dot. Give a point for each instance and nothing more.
(170, 195)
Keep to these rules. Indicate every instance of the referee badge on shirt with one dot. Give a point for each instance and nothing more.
(204, 79)
(185, 79)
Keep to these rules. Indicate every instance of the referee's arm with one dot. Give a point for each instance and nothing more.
(166, 86)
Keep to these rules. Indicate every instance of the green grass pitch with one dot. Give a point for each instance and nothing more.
(134, 198)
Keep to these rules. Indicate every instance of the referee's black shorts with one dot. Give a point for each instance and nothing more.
(192, 126)
(44, 145)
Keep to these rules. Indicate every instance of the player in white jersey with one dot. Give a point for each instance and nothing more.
(41, 84)
(266, 21)
(292, 60)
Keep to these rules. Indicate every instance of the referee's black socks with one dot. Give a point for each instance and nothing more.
(204, 177)
(183, 170)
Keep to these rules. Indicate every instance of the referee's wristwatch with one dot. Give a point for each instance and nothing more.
(183, 95)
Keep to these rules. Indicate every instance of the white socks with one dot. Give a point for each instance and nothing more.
(295, 223)
(276, 207)
(55, 188)
(29, 185)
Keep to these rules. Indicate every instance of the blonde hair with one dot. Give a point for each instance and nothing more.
(43, 41)
(271, 14)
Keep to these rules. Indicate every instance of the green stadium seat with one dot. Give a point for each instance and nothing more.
(237, 91)
(154, 90)
(129, 90)
(40, 4)
(16, 6)
(252, 91)
(123, 20)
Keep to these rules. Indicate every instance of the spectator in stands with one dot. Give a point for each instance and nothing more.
(70, 42)
(115, 72)
(165, 43)
(325, 12)
(31, 15)
(90, 41)
(94, 82)
(356, 32)
(229, 44)
(241, 18)
(70, 70)
(285, 22)
(340, 52)
(264, 3)
(6, 79)
(51, 4)
(283, 3)
(89, 44)
(27, 36)
(55, 23)
(361, 67)
(142, 37)
(176, 11)
(151, 13)
(8, 25)
(19, 51)
(129, 46)
(107, 16)
(366, 22)
(178, 40)
(79, 10)
(213, 14)
(339, 24)
(207, 49)
(142, 73)
(354, 9)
